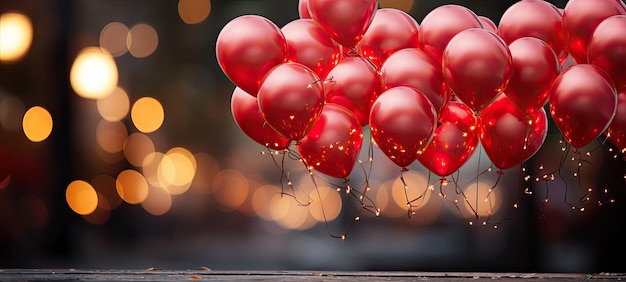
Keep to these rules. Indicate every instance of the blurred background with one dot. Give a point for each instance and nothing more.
(155, 173)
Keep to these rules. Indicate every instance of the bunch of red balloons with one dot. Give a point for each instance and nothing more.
(432, 91)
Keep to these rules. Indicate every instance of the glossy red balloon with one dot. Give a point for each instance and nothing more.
(402, 123)
(580, 19)
(535, 66)
(488, 24)
(245, 111)
(476, 66)
(414, 67)
(617, 128)
(454, 140)
(355, 85)
(390, 31)
(508, 136)
(333, 144)
(247, 48)
(345, 20)
(291, 99)
(443, 23)
(303, 9)
(582, 103)
(607, 48)
(310, 45)
(534, 18)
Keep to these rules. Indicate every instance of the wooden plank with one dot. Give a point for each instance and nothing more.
(157, 274)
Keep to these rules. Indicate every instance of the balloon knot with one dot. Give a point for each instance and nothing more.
(352, 52)
(346, 180)
(405, 169)
(499, 171)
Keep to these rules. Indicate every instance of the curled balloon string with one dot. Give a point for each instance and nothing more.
(285, 178)
(410, 202)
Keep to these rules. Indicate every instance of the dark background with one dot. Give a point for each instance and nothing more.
(546, 233)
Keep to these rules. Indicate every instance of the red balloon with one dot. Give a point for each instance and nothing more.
(303, 9)
(606, 48)
(617, 128)
(454, 141)
(245, 110)
(508, 136)
(488, 24)
(535, 66)
(333, 144)
(390, 31)
(443, 23)
(247, 48)
(310, 45)
(355, 85)
(582, 103)
(580, 19)
(291, 99)
(402, 123)
(414, 67)
(345, 20)
(476, 66)
(534, 18)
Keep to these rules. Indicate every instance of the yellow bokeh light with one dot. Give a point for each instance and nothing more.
(482, 200)
(177, 169)
(261, 198)
(147, 114)
(115, 106)
(327, 205)
(37, 124)
(137, 147)
(142, 40)
(131, 186)
(111, 135)
(150, 169)
(404, 5)
(113, 38)
(94, 73)
(416, 190)
(81, 197)
(158, 202)
(231, 189)
(194, 11)
(16, 32)
(12, 111)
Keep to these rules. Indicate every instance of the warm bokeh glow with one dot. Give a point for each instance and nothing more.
(94, 73)
(150, 169)
(147, 114)
(142, 40)
(177, 168)
(137, 147)
(230, 189)
(113, 38)
(158, 202)
(37, 124)
(115, 106)
(404, 5)
(16, 36)
(194, 11)
(81, 197)
(326, 205)
(111, 135)
(482, 199)
(416, 190)
(131, 186)
(261, 198)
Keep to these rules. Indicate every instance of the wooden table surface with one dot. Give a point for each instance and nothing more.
(157, 274)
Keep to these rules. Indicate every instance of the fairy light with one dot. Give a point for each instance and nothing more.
(377, 213)
(357, 218)
(515, 205)
(541, 167)
(495, 226)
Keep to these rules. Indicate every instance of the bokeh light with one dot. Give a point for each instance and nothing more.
(37, 124)
(12, 111)
(261, 198)
(115, 106)
(131, 186)
(81, 197)
(94, 73)
(404, 5)
(482, 200)
(177, 169)
(17, 35)
(230, 189)
(416, 190)
(326, 203)
(158, 201)
(207, 168)
(194, 11)
(147, 114)
(137, 147)
(142, 40)
(111, 136)
(113, 38)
